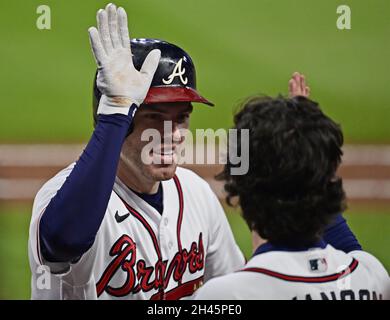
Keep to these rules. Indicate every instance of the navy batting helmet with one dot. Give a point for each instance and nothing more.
(175, 77)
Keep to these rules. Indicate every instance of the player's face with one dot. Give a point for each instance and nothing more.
(160, 162)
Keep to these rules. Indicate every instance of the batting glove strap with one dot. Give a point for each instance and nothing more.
(115, 105)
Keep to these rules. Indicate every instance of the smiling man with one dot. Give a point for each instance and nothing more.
(119, 224)
(160, 158)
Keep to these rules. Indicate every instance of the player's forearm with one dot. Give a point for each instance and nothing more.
(71, 220)
(340, 236)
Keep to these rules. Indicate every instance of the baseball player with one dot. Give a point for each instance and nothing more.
(290, 198)
(112, 225)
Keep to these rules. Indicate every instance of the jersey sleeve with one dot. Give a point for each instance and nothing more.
(223, 254)
(232, 287)
(215, 289)
(41, 201)
(375, 268)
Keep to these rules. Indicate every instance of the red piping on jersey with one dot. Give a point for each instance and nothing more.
(148, 227)
(180, 217)
(183, 290)
(136, 214)
(352, 267)
(181, 208)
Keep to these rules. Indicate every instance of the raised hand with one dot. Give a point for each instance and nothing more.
(119, 82)
(297, 86)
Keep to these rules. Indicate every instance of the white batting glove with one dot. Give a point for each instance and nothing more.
(119, 82)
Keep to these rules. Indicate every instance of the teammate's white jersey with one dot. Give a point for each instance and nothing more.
(139, 253)
(314, 274)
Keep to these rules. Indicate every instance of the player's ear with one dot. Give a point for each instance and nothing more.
(132, 124)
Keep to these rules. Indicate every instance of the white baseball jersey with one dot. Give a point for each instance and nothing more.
(314, 274)
(139, 253)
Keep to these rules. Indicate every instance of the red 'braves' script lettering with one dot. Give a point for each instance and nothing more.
(139, 276)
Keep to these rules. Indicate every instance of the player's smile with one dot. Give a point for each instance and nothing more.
(153, 162)
(164, 155)
(168, 119)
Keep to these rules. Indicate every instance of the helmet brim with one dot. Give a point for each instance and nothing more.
(166, 94)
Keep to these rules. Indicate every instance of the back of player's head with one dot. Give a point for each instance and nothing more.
(291, 191)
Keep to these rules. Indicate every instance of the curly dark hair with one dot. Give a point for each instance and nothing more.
(291, 191)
